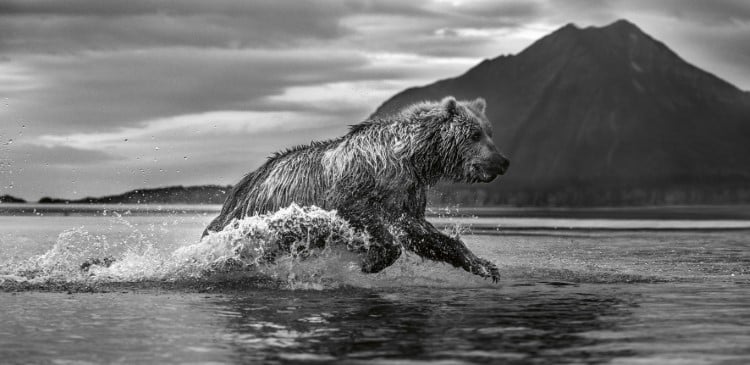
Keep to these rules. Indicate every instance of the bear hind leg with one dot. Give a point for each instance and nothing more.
(379, 257)
(383, 250)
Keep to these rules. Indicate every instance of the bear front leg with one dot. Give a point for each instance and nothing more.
(425, 240)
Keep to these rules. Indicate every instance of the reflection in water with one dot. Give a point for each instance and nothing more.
(485, 325)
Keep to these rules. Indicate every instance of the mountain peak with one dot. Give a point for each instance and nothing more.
(621, 27)
(622, 24)
(619, 40)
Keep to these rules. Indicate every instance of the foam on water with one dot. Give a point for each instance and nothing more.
(277, 246)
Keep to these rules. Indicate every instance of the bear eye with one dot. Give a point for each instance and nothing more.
(476, 135)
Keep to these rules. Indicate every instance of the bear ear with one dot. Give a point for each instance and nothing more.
(449, 104)
(479, 105)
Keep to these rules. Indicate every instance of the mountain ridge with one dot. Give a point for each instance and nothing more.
(199, 194)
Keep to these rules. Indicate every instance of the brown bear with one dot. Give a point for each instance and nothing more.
(376, 178)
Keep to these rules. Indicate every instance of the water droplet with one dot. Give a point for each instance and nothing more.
(125, 140)
(10, 141)
(156, 148)
(184, 157)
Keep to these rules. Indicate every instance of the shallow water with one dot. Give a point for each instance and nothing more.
(573, 296)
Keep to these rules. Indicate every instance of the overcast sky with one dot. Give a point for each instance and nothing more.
(99, 97)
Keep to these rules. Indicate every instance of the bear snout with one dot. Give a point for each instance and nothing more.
(488, 169)
(498, 164)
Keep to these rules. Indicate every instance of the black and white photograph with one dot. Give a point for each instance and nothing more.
(375, 182)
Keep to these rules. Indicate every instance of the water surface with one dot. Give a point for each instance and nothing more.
(580, 295)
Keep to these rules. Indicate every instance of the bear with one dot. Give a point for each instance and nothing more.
(376, 178)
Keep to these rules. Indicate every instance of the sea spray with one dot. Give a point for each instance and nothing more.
(299, 245)
(63, 260)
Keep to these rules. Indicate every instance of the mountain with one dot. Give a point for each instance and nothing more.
(604, 116)
(203, 194)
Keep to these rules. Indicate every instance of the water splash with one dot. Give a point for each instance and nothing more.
(303, 247)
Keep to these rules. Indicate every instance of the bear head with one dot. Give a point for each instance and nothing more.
(466, 136)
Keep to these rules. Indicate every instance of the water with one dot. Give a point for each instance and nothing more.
(597, 293)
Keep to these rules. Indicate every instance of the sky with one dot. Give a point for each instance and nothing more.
(101, 97)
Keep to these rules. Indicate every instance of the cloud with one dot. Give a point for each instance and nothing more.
(191, 126)
(48, 26)
(66, 27)
(439, 29)
(202, 137)
(712, 13)
(60, 155)
(101, 91)
(512, 12)
(225, 83)
(70, 26)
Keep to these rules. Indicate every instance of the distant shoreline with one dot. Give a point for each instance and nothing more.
(62, 209)
(685, 212)
(169, 195)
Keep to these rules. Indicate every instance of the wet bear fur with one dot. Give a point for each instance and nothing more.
(376, 177)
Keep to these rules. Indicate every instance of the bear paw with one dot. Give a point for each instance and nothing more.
(486, 269)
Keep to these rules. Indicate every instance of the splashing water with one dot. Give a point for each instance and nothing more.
(303, 247)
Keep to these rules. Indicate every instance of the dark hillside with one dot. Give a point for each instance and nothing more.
(203, 194)
(11, 199)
